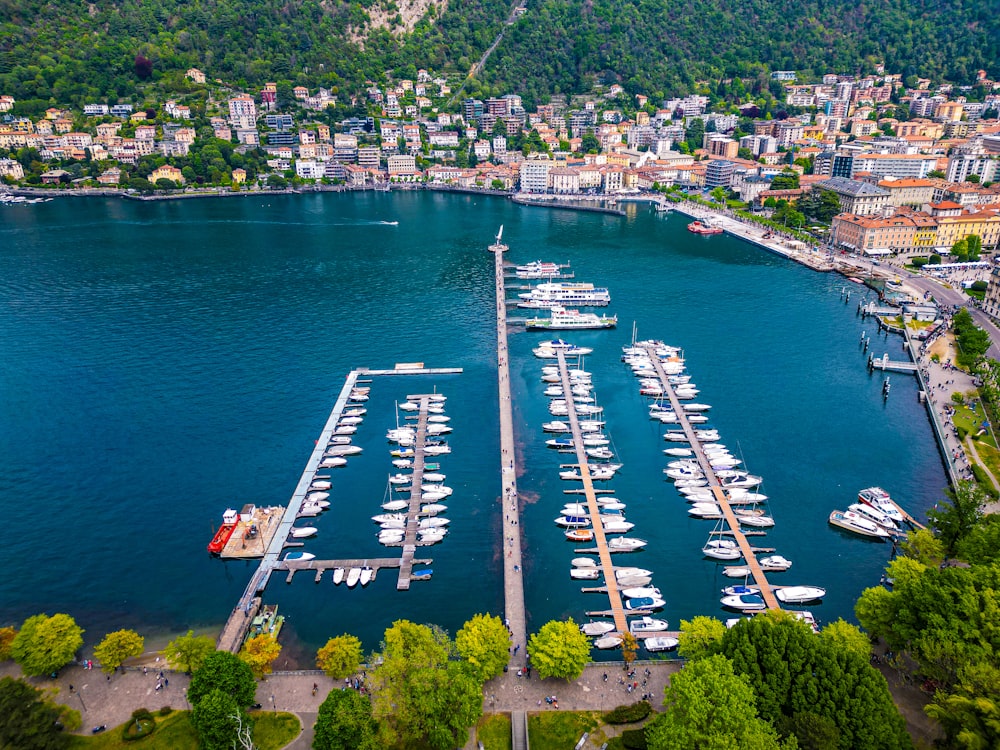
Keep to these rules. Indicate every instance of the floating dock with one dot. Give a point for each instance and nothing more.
(749, 553)
(614, 596)
(416, 491)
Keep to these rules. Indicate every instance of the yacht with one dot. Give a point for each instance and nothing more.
(596, 628)
(880, 500)
(799, 594)
(565, 293)
(367, 574)
(774, 563)
(873, 514)
(625, 544)
(629, 572)
(570, 319)
(585, 574)
(647, 625)
(637, 592)
(722, 549)
(353, 576)
(745, 602)
(851, 521)
(660, 643)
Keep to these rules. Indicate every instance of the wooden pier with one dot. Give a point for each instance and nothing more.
(416, 493)
(718, 491)
(614, 596)
(510, 548)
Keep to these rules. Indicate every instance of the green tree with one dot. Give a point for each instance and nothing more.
(811, 731)
(419, 694)
(787, 180)
(974, 244)
(708, 705)
(260, 653)
(188, 652)
(345, 723)
(700, 636)
(277, 182)
(970, 716)
(589, 143)
(559, 649)
(846, 637)
(340, 657)
(164, 184)
(718, 195)
(46, 644)
(214, 717)
(484, 642)
(116, 648)
(7, 636)
(27, 720)
(980, 546)
(923, 546)
(955, 520)
(960, 249)
(226, 672)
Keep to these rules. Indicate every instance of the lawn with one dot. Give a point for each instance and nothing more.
(174, 732)
(558, 730)
(971, 422)
(494, 732)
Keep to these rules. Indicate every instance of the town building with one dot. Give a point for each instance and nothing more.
(856, 197)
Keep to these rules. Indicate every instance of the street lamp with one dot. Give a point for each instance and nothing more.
(80, 696)
(273, 706)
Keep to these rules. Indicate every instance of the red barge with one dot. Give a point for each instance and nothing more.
(703, 228)
(230, 519)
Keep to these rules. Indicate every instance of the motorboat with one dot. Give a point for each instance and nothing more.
(660, 643)
(741, 588)
(409, 406)
(438, 429)
(391, 536)
(625, 572)
(434, 477)
(585, 574)
(880, 500)
(757, 522)
(744, 602)
(647, 624)
(555, 426)
(774, 563)
(304, 532)
(335, 462)
(637, 592)
(617, 526)
(436, 450)
(351, 420)
(433, 509)
(572, 522)
(366, 576)
(722, 549)
(438, 418)
(430, 523)
(580, 535)
(320, 485)
(635, 581)
(300, 556)
(339, 440)
(596, 628)
(431, 536)
(400, 434)
(575, 509)
(392, 525)
(315, 497)
(560, 443)
(337, 451)
(437, 488)
(600, 453)
(681, 483)
(608, 641)
(388, 517)
(609, 503)
(799, 594)
(594, 440)
(400, 479)
(676, 436)
(709, 511)
(873, 514)
(583, 562)
(402, 453)
(737, 571)
(625, 544)
(591, 425)
(645, 602)
(402, 463)
(850, 521)
(395, 505)
(345, 429)
(696, 407)
(353, 576)
(433, 496)
(338, 576)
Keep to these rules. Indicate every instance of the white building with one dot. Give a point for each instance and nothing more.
(535, 175)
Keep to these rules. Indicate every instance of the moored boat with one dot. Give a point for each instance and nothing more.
(703, 227)
(338, 576)
(353, 576)
(571, 319)
(299, 556)
(230, 519)
(744, 602)
(596, 628)
(660, 643)
(850, 521)
(608, 641)
(799, 594)
(647, 625)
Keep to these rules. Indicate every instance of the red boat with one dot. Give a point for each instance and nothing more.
(230, 519)
(699, 228)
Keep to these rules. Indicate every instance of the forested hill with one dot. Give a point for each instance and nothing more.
(68, 52)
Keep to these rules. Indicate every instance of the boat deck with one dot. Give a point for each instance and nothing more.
(241, 548)
(749, 552)
(600, 540)
(513, 569)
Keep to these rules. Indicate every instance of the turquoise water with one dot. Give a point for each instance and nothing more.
(163, 361)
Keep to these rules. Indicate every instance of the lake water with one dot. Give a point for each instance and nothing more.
(163, 361)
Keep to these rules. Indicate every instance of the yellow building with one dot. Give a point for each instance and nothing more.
(166, 172)
(985, 224)
(239, 176)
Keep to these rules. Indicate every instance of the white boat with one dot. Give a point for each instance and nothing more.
(616, 526)
(366, 576)
(610, 504)
(555, 426)
(431, 536)
(438, 418)
(645, 602)
(394, 505)
(436, 450)
(346, 429)
(438, 488)
(437, 398)
(299, 556)
(697, 407)
(625, 544)
(332, 463)
(391, 536)
(570, 319)
(304, 532)
(402, 463)
(355, 411)
(850, 521)
(320, 485)
(409, 406)
(572, 522)
(722, 549)
(583, 562)
(647, 624)
(744, 602)
(634, 581)
(343, 450)
(430, 523)
(757, 522)
(351, 420)
(353, 576)
(575, 509)
(315, 497)
(338, 576)
(433, 509)
(596, 628)
(741, 588)
(626, 572)
(873, 514)
(340, 440)
(585, 574)
(709, 511)
(438, 429)
(660, 643)
(432, 497)
(799, 594)
(392, 525)
(537, 269)
(569, 293)
(774, 563)
(389, 517)
(600, 453)
(880, 500)
(401, 434)
(608, 641)
(639, 591)
(434, 477)
(737, 571)
(400, 479)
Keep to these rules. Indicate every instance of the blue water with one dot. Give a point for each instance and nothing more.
(163, 361)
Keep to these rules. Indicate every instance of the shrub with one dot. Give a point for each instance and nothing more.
(979, 286)
(935, 259)
(165, 711)
(629, 714)
(141, 725)
(962, 432)
(634, 739)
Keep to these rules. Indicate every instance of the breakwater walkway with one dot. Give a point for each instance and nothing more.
(513, 570)
(749, 554)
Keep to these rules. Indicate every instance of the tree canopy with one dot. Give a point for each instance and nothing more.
(259, 653)
(188, 652)
(340, 657)
(559, 649)
(345, 723)
(116, 648)
(46, 644)
(484, 642)
(700, 636)
(214, 717)
(226, 672)
(27, 720)
(419, 693)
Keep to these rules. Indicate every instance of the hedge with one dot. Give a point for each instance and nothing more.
(629, 714)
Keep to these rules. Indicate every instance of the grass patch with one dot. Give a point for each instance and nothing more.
(272, 731)
(173, 732)
(493, 731)
(971, 422)
(558, 730)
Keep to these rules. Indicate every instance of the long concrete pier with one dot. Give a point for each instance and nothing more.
(600, 540)
(513, 570)
(721, 498)
(416, 491)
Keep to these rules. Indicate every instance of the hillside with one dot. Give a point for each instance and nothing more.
(49, 49)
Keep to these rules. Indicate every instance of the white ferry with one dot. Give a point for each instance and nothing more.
(536, 270)
(565, 293)
(563, 319)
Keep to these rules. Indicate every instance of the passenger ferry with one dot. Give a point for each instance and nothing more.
(565, 293)
(537, 270)
(563, 319)
(699, 227)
